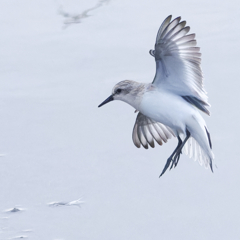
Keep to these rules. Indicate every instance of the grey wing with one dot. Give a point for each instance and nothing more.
(178, 60)
(146, 130)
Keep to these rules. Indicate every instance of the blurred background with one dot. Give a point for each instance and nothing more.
(69, 170)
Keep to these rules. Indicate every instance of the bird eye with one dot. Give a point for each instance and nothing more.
(118, 90)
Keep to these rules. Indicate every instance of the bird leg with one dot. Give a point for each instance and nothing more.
(179, 151)
(169, 160)
(175, 156)
(175, 160)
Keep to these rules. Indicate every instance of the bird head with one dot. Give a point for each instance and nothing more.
(126, 91)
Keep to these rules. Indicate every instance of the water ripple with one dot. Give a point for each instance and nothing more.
(76, 18)
(77, 203)
(14, 210)
(20, 237)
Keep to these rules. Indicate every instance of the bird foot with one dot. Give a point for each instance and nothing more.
(173, 160)
(169, 160)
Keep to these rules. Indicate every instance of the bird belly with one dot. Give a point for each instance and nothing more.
(168, 109)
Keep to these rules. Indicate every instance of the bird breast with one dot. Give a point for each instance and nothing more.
(167, 108)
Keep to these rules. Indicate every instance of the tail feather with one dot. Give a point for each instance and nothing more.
(209, 138)
(200, 142)
(194, 150)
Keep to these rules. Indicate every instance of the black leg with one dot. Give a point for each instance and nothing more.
(179, 151)
(175, 162)
(175, 156)
(170, 158)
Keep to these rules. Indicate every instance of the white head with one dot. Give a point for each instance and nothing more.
(127, 91)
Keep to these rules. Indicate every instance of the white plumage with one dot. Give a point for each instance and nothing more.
(169, 105)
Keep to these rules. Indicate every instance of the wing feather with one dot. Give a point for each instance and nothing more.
(175, 29)
(160, 131)
(154, 134)
(141, 137)
(136, 140)
(190, 43)
(164, 25)
(185, 39)
(178, 60)
(169, 28)
(147, 135)
(181, 33)
(146, 130)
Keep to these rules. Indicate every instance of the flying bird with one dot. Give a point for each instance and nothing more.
(169, 106)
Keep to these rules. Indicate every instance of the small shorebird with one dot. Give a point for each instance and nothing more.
(169, 105)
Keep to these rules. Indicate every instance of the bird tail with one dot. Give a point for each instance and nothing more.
(195, 151)
(199, 146)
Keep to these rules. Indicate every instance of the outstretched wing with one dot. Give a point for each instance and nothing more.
(178, 61)
(146, 130)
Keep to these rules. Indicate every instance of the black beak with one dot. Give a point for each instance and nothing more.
(109, 99)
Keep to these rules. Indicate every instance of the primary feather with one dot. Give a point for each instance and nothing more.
(178, 60)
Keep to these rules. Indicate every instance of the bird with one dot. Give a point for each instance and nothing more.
(170, 105)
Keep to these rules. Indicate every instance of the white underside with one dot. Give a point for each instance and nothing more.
(167, 108)
(174, 112)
